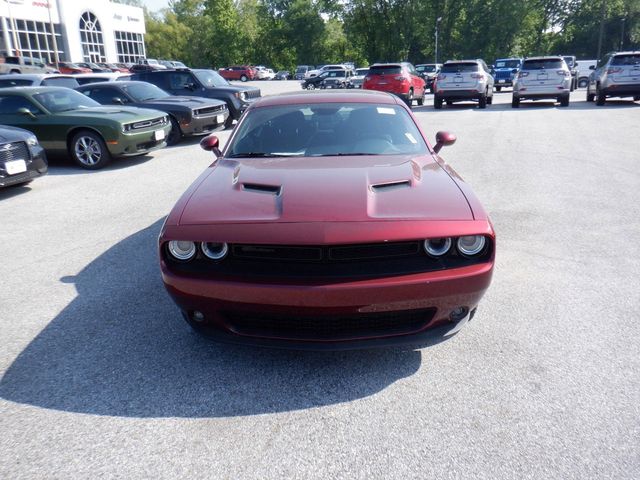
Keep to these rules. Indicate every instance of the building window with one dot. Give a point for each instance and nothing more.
(130, 46)
(34, 39)
(91, 38)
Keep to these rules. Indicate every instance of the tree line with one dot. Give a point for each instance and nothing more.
(285, 33)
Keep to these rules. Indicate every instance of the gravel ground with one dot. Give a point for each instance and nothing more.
(101, 378)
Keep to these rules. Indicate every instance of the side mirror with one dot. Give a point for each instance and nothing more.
(444, 139)
(117, 100)
(592, 67)
(210, 143)
(515, 70)
(26, 112)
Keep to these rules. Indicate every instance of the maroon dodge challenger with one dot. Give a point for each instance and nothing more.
(328, 222)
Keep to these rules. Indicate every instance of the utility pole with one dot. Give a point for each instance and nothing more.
(602, 19)
(437, 24)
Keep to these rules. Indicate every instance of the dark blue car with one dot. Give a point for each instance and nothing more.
(504, 71)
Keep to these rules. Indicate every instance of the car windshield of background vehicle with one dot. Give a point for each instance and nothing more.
(626, 60)
(546, 64)
(362, 71)
(142, 92)
(209, 78)
(459, 67)
(327, 129)
(385, 70)
(64, 100)
(60, 82)
(426, 68)
(508, 64)
(15, 82)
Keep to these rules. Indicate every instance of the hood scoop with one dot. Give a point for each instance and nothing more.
(386, 186)
(262, 188)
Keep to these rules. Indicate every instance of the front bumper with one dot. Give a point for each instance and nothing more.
(35, 168)
(256, 313)
(138, 143)
(205, 124)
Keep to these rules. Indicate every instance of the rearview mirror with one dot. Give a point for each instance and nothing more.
(210, 143)
(444, 139)
(25, 111)
(117, 100)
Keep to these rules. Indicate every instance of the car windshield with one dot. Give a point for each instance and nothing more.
(326, 129)
(426, 68)
(301, 69)
(508, 64)
(64, 100)
(633, 59)
(142, 92)
(385, 70)
(544, 63)
(459, 67)
(60, 82)
(362, 71)
(209, 78)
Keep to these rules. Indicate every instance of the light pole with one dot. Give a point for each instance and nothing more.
(437, 23)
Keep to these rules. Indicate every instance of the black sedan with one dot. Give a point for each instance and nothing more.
(312, 83)
(189, 115)
(21, 157)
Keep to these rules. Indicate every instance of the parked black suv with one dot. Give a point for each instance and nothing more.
(202, 83)
(21, 157)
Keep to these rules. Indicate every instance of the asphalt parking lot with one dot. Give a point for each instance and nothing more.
(101, 377)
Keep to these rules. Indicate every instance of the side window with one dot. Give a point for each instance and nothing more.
(105, 96)
(177, 81)
(10, 104)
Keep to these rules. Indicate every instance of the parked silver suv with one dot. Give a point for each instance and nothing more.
(617, 75)
(463, 80)
(542, 78)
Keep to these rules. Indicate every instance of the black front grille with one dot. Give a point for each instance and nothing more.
(156, 122)
(287, 263)
(209, 111)
(14, 151)
(334, 327)
(251, 94)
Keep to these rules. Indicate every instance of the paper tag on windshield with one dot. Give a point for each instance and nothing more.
(411, 138)
(386, 111)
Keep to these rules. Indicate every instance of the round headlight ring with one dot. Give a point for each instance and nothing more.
(437, 247)
(214, 251)
(182, 249)
(471, 245)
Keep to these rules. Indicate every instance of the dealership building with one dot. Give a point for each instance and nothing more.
(80, 31)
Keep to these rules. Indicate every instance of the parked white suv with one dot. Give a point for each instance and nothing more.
(617, 75)
(584, 70)
(542, 78)
(463, 80)
(325, 68)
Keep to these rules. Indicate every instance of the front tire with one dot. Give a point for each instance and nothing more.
(421, 100)
(600, 98)
(409, 99)
(88, 150)
(515, 102)
(482, 101)
(243, 78)
(583, 82)
(437, 102)
(175, 134)
(590, 96)
(564, 101)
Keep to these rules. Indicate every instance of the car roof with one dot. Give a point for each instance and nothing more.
(472, 60)
(312, 97)
(630, 52)
(545, 57)
(33, 90)
(112, 84)
(34, 76)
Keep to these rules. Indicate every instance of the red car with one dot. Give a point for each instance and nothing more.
(327, 222)
(70, 68)
(401, 79)
(242, 73)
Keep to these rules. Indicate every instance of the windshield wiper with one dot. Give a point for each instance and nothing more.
(343, 154)
(262, 154)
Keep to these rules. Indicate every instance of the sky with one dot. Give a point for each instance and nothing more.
(155, 5)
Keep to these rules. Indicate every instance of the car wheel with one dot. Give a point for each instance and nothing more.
(564, 101)
(243, 78)
(515, 102)
(498, 89)
(409, 99)
(311, 86)
(635, 99)
(175, 134)
(490, 100)
(600, 98)
(422, 98)
(437, 102)
(590, 96)
(582, 83)
(88, 150)
(482, 101)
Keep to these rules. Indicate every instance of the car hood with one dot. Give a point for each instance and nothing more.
(323, 189)
(122, 114)
(178, 101)
(12, 134)
(233, 88)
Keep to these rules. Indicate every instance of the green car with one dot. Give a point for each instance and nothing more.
(67, 122)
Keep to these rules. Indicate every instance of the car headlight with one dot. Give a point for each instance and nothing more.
(32, 141)
(214, 251)
(471, 245)
(437, 247)
(241, 95)
(182, 250)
